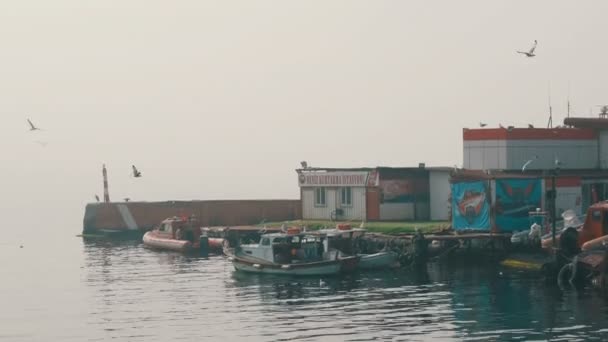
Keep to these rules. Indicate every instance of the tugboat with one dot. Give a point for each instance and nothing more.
(179, 234)
(291, 253)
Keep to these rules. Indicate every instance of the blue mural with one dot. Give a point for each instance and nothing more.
(470, 206)
(515, 199)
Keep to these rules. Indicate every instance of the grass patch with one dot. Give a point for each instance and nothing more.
(377, 227)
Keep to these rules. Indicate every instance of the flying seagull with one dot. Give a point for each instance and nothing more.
(531, 52)
(481, 124)
(523, 168)
(32, 127)
(136, 172)
(97, 198)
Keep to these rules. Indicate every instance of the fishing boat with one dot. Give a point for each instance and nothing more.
(345, 239)
(291, 253)
(179, 234)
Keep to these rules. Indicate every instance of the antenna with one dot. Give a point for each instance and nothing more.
(550, 123)
(568, 99)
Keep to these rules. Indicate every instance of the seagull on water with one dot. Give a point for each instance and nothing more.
(136, 172)
(32, 126)
(531, 52)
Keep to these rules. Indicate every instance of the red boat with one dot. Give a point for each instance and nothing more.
(176, 234)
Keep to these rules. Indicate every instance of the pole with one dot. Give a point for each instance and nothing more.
(106, 193)
(553, 209)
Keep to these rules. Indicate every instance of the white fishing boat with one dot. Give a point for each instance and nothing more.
(382, 259)
(343, 238)
(291, 253)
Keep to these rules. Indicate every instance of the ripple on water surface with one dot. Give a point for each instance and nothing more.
(135, 294)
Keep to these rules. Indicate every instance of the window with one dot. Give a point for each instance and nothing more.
(265, 242)
(597, 215)
(319, 197)
(346, 197)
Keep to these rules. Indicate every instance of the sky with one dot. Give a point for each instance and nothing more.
(223, 99)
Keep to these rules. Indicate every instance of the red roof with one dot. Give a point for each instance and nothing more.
(528, 134)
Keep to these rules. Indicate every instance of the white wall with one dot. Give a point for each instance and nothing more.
(569, 198)
(484, 154)
(440, 194)
(513, 154)
(332, 200)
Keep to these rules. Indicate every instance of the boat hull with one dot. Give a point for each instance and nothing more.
(153, 241)
(377, 260)
(323, 268)
(598, 243)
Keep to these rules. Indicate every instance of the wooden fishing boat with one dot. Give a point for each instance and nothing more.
(382, 259)
(292, 253)
(176, 234)
(344, 238)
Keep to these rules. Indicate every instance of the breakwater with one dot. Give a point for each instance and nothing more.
(141, 216)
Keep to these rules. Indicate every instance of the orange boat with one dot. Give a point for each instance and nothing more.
(593, 233)
(177, 234)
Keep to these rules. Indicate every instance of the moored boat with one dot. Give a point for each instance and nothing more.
(291, 253)
(177, 234)
(344, 238)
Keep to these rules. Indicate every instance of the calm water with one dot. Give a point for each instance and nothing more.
(61, 288)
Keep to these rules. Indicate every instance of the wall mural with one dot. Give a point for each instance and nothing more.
(515, 199)
(470, 206)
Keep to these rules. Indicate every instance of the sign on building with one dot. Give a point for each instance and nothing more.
(333, 179)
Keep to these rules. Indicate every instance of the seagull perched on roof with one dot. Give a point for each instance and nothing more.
(136, 172)
(32, 127)
(530, 126)
(531, 52)
(481, 124)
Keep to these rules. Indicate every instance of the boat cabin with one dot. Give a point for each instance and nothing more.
(343, 238)
(281, 248)
(596, 223)
(179, 228)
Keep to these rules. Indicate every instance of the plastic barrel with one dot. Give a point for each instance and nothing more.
(204, 245)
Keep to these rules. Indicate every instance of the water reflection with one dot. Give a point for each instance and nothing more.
(140, 294)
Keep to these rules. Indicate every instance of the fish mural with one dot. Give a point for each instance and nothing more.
(515, 199)
(470, 206)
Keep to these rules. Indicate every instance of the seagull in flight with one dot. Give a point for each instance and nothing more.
(136, 172)
(97, 198)
(481, 124)
(523, 168)
(531, 52)
(32, 127)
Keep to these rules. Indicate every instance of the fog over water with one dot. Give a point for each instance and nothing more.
(222, 100)
(215, 100)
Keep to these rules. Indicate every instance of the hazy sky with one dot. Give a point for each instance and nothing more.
(223, 99)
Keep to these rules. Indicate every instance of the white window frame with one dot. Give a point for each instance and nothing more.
(317, 196)
(343, 196)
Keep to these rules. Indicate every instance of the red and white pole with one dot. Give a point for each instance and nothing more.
(106, 193)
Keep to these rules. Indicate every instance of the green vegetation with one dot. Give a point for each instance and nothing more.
(377, 227)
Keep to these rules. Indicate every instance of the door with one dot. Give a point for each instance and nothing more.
(372, 204)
